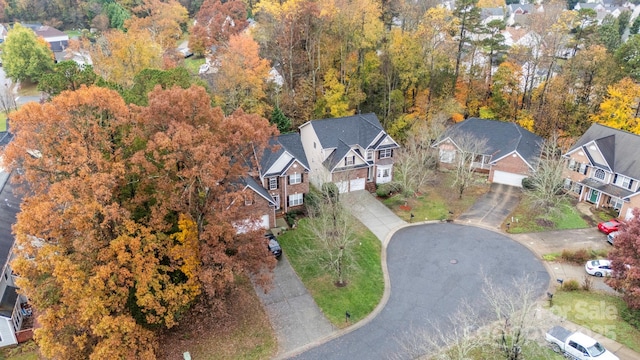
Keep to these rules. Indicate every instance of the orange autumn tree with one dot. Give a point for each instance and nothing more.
(127, 217)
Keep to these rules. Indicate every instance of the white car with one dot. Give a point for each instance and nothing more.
(598, 268)
(612, 237)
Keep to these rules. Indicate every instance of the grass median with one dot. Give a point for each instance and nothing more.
(365, 284)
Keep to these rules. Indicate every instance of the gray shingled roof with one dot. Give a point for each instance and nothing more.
(502, 138)
(285, 142)
(255, 186)
(9, 207)
(360, 129)
(486, 12)
(619, 148)
(337, 155)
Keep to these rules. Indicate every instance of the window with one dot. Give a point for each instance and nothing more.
(273, 183)
(583, 169)
(369, 155)
(572, 164)
(276, 199)
(295, 199)
(383, 173)
(616, 203)
(295, 179)
(349, 160)
(577, 188)
(314, 144)
(599, 174)
(384, 154)
(623, 181)
(567, 184)
(447, 156)
(248, 200)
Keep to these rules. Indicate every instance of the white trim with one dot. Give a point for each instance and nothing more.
(510, 153)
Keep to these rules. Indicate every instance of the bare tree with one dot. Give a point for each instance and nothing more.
(333, 230)
(512, 323)
(415, 163)
(515, 309)
(7, 99)
(469, 147)
(545, 184)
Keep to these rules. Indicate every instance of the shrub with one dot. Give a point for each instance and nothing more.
(291, 217)
(579, 256)
(331, 191)
(571, 285)
(385, 190)
(631, 316)
(527, 184)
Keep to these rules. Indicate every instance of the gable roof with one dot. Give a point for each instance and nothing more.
(503, 138)
(360, 129)
(289, 143)
(251, 183)
(338, 154)
(618, 147)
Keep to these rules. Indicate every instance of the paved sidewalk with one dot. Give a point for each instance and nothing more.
(295, 316)
(372, 213)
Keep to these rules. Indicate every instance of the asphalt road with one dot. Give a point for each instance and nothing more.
(433, 268)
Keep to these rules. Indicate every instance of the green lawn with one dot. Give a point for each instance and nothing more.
(73, 33)
(3, 121)
(598, 312)
(25, 351)
(193, 64)
(527, 218)
(437, 201)
(364, 287)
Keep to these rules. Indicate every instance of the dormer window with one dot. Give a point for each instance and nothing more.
(369, 155)
(248, 200)
(349, 160)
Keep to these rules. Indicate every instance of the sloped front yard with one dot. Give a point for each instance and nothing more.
(528, 218)
(439, 200)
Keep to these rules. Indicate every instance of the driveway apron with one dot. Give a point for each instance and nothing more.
(295, 316)
(493, 207)
(372, 213)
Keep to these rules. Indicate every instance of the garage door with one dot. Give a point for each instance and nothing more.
(246, 225)
(343, 186)
(507, 178)
(357, 184)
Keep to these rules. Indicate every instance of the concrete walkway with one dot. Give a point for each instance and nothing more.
(374, 215)
(295, 316)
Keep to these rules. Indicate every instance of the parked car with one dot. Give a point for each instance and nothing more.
(598, 268)
(611, 237)
(274, 246)
(609, 226)
(576, 345)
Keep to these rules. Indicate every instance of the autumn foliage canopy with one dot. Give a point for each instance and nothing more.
(127, 215)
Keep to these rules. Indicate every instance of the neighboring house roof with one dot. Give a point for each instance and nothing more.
(285, 143)
(491, 12)
(618, 148)
(521, 8)
(503, 138)
(48, 32)
(361, 129)
(252, 184)
(9, 207)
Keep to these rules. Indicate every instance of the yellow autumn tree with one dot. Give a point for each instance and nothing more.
(336, 103)
(619, 109)
(119, 56)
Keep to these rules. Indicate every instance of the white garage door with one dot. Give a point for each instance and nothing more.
(246, 225)
(264, 222)
(507, 178)
(343, 186)
(357, 184)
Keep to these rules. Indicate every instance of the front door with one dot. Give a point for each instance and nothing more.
(594, 196)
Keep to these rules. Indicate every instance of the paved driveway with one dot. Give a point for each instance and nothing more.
(294, 314)
(493, 207)
(372, 213)
(426, 287)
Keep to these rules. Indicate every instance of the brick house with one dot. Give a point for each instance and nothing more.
(284, 172)
(602, 169)
(354, 152)
(510, 155)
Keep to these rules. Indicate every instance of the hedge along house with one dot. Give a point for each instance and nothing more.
(353, 152)
(603, 168)
(510, 153)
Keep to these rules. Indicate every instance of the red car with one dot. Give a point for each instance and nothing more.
(609, 226)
